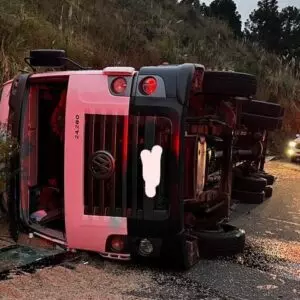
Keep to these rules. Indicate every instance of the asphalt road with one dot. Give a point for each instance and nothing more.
(269, 268)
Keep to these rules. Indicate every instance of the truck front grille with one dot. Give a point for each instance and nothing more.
(124, 137)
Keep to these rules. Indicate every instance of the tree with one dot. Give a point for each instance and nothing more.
(264, 25)
(276, 31)
(226, 10)
(203, 9)
(290, 32)
(8, 148)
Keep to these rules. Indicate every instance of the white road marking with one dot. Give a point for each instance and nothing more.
(282, 221)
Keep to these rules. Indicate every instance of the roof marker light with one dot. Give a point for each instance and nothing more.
(118, 71)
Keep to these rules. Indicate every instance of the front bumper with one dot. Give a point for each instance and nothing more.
(167, 247)
(132, 250)
(116, 256)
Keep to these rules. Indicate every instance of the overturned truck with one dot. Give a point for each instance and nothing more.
(121, 162)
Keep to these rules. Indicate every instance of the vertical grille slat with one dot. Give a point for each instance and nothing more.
(134, 164)
(112, 203)
(149, 143)
(124, 137)
(102, 137)
(124, 165)
(161, 189)
(90, 125)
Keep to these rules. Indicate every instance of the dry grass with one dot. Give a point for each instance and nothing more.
(136, 33)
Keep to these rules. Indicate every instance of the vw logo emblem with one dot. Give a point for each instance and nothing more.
(102, 165)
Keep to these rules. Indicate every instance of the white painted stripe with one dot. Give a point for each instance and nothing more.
(282, 221)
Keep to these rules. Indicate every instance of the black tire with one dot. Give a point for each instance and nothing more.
(254, 122)
(229, 83)
(263, 108)
(249, 183)
(248, 197)
(226, 240)
(268, 192)
(270, 178)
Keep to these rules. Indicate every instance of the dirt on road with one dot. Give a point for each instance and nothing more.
(273, 230)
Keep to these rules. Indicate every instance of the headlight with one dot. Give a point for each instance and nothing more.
(290, 152)
(292, 144)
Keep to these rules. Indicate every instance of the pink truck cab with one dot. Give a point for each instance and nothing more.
(102, 159)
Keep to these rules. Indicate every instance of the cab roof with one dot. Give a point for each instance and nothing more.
(122, 71)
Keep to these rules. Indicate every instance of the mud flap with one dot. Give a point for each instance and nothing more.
(17, 257)
(13, 214)
(180, 252)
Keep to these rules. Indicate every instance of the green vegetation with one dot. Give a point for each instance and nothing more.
(137, 32)
(8, 147)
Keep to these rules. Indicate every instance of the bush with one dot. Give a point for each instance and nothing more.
(8, 148)
(136, 33)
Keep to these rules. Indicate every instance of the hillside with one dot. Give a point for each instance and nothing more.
(137, 32)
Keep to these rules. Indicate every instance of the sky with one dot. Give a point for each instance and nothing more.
(245, 7)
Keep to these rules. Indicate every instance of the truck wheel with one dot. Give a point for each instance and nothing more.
(254, 122)
(225, 240)
(270, 178)
(229, 84)
(249, 183)
(248, 197)
(268, 192)
(263, 108)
